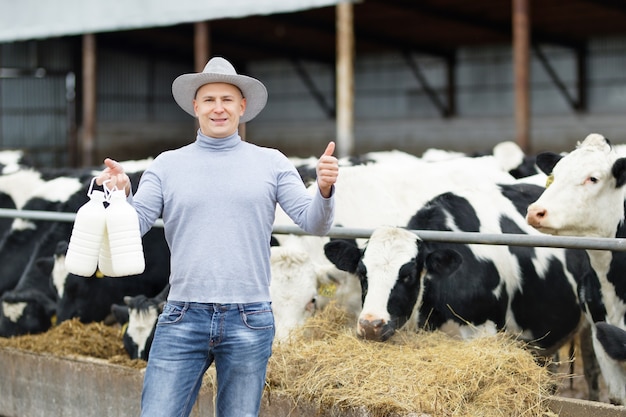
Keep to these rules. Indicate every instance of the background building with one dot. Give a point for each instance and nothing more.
(80, 80)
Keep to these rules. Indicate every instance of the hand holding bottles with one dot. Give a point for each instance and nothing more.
(114, 176)
(108, 238)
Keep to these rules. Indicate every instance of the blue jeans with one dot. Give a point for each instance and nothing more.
(188, 338)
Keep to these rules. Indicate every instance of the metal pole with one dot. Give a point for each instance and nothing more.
(89, 99)
(345, 79)
(572, 242)
(521, 64)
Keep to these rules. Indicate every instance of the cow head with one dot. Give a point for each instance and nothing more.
(27, 311)
(393, 270)
(293, 288)
(59, 273)
(585, 194)
(139, 315)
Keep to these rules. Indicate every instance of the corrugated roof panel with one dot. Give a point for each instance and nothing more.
(36, 19)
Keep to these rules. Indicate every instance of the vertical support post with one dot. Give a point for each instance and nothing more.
(345, 79)
(521, 70)
(201, 43)
(89, 99)
(201, 48)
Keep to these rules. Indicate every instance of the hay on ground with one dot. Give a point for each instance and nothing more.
(73, 338)
(424, 372)
(325, 364)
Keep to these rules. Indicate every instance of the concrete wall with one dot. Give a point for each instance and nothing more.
(41, 385)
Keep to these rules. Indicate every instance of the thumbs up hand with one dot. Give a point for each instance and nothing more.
(327, 170)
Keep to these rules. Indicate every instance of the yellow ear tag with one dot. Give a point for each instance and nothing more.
(549, 180)
(328, 290)
(53, 320)
(99, 274)
(123, 329)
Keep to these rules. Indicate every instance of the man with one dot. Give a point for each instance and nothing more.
(217, 197)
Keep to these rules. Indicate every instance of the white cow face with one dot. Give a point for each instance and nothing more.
(389, 275)
(140, 330)
(586, 195)
(293, 289)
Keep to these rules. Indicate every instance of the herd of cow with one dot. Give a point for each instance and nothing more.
(542, 295)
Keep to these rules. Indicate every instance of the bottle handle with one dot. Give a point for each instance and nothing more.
(107, 191)
(90, 190)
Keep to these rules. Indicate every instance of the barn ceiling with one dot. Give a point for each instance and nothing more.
(435, 27)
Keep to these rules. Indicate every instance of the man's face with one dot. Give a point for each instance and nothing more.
(218, 107)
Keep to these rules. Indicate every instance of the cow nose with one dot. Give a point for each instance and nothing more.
(535, 215)
(371, 329)
(311, 306)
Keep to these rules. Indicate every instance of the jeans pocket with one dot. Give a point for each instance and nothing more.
(258, 319)
(172, 313)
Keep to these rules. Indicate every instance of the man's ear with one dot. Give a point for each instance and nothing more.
(244, 103)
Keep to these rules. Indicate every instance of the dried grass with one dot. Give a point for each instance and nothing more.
(422, 372)
(73, 338)
(325, 364)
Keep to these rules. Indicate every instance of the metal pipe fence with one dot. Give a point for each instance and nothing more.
(570, 242)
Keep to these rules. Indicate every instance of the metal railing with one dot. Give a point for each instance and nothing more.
(570, 242)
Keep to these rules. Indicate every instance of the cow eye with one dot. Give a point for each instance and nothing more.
(593, 179)
(406, 274)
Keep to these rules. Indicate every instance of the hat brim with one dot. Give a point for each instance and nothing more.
(184, 90)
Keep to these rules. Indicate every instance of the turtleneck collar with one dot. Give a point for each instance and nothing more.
(221, 144)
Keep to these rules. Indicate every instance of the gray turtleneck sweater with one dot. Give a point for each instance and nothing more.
(217, 198)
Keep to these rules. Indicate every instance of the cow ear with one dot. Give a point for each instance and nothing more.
(612, 339)
(61, 248)
(344, 254)
(120, 312)
(49, 306)
(619, 172)
(547, 160)
(443, 262)
(45, 265)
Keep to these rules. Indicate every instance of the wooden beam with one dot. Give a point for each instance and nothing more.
(201, 44)
(89, 100)
(345, 79)
(521, 70)
(201, 48)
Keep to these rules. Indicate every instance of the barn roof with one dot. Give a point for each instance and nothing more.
(35, 19)
(305, 29)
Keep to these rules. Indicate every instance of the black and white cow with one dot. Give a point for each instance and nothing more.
(386, 190)
(17, 246)
(139, 315)
(586, 198)
(467, 289)
(508, 156)
(30, 306)
(294, 299)
(31, 245)
(90, 298)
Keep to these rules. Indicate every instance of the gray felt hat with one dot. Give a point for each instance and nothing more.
(219, 70)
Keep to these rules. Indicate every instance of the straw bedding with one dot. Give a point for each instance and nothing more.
(423, 372)
(324, 363)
